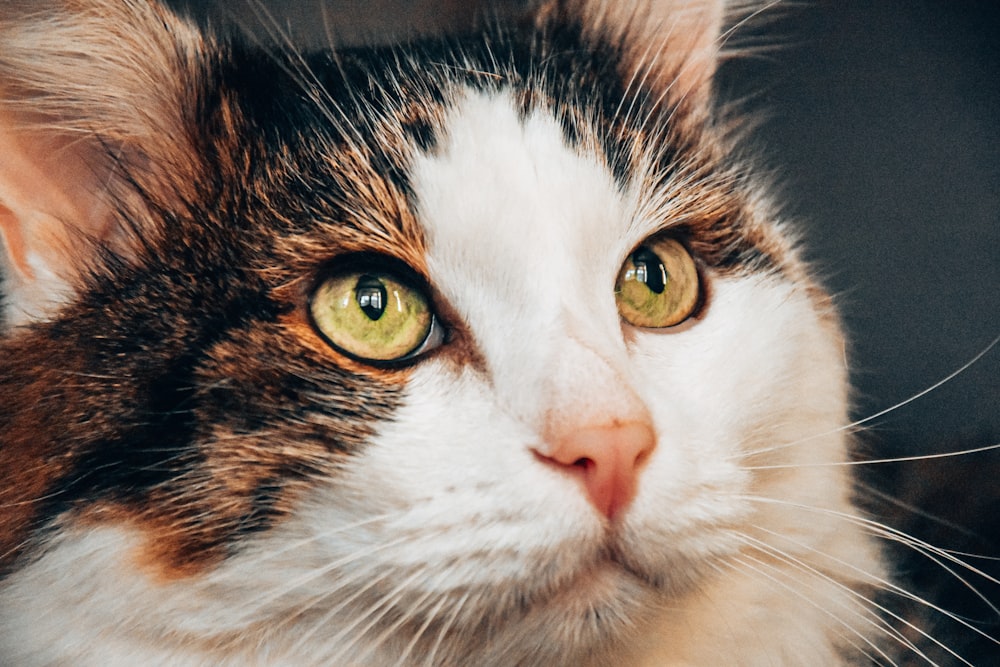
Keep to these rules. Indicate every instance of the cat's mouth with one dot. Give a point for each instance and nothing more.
(607, 579)
(616, 577)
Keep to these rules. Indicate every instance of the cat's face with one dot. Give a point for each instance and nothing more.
(481, 353)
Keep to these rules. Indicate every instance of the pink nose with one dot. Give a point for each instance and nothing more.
(606, 459)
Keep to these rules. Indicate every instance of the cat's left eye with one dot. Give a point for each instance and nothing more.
(658, 285)
(375, 316)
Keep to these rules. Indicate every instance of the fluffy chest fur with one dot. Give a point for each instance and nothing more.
(200, 467)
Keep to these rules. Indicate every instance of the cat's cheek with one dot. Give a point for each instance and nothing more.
(734, 417)
(736, 376)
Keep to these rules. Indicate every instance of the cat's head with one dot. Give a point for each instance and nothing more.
(490, 349)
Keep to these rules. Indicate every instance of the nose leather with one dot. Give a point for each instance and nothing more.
(605, 458)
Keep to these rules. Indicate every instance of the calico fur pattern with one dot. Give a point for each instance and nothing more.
(192, 475)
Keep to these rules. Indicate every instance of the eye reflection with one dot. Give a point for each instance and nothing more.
(648, 269)
(371, 296)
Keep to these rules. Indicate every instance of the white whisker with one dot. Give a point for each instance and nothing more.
(882, 583)
(371, 581)
(431, 616)
(874, 492)
(935, 554)
(822, 609)
(287, 587)
(860, 422)
(862, 462)
(385, 605)
(446, 628)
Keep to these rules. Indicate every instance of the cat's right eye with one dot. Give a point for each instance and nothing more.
(374, 316)
(658, 285)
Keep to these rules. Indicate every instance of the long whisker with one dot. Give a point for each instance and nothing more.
(862, 462)
(371, 582)
(935, 554)
(759, 569)
(432, 615)
(446, 628)
(415, 609)
(876, 622)
(295, 545)
(881, 413)
(376, 613)
(883, 584)
(888, 498)
(314, 574)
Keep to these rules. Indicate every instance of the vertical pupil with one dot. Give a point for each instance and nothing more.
(649, 270)
(371, 296)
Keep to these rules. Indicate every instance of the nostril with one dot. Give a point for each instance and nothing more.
(606, 459)
(643, 456)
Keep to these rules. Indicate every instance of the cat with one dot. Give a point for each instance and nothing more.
(491, 349)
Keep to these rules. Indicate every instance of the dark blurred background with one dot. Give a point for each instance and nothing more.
(884, 120)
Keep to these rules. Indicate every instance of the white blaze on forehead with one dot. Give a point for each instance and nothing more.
(525, 236)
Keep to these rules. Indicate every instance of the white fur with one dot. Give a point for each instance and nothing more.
(450, 520)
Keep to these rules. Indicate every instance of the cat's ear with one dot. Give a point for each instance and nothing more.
(670, 46)
(92, 111)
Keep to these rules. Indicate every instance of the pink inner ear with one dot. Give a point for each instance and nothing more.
(50, 200)
(13, 243)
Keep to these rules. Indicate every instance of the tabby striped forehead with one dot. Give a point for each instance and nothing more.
(381, 110)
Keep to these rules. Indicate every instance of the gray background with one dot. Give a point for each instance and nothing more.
(884, 121)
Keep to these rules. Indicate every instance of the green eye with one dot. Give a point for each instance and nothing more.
(657, 286)
(373, 316)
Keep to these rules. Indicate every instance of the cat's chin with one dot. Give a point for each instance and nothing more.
(600, 609)
(610, 588)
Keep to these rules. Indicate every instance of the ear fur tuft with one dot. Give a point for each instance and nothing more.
(671, 46)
